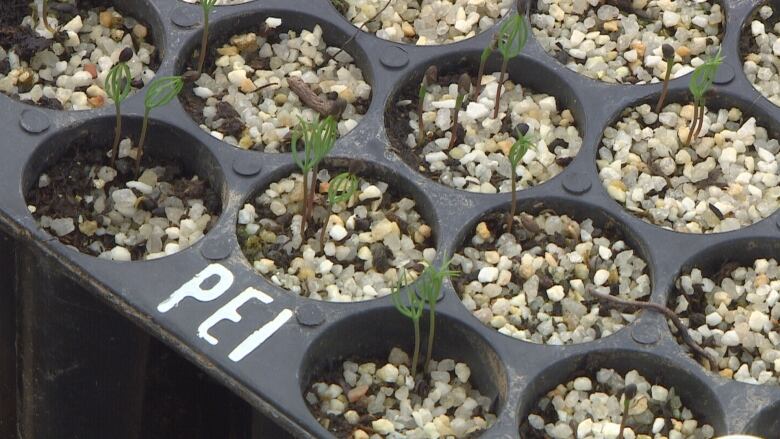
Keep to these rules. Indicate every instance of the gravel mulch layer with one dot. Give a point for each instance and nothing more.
(591, 406)
(367, 242)
(374, 400)
(109, 213)
(531, 284)
(726, 179)
(66, 71)
(760, 47)
(245, 97)
(424, 22)
(620, 41)
(734, 314)
(478, 162)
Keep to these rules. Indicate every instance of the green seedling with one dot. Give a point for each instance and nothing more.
(512, 38)
(161, 92)
(464, 87)
(430, 78)
(318, 139)
(207, 6)
(118, 87)
(701, 81)
(413, 311)
(429, 287)
(629, 393)
(341, 189)
(668, 53)
(483, 59)
(516, 154)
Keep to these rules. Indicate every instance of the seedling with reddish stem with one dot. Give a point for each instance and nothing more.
(464, 85)
(629, 393)
(207, 6)
(483, 59)
(161, 92)
(430, 78)
(118, 87)
(668, 53)
(516, 153)
(318, 138)
(701, 81)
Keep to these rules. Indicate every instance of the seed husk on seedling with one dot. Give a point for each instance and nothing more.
(340, 190)
(207, 6)
(160, 93)
(701, 81)
(318, 138)
(45, 17)
(430, 78)
(668, 53)
(516, 154)
(513, 36)
(464, 86)
(629, 393)
(118, 87)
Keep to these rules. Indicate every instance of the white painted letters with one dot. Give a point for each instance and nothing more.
(193, 287)
(230, 312)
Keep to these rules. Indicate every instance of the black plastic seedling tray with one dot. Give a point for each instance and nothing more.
(266, 344)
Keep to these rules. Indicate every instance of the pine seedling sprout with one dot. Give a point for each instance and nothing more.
(430, 78)
(429, 288)
(318, 139)
(464, 87)
(160, 93)
(118, 86)
(629, 393)
(512, 38)
(45, 17)
(668, 53)
(412, 311)
(341, 189)
(516, 154)
(207, 6)
(701, 81)
(483, 59)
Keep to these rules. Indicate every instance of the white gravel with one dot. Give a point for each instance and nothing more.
(592, 407)
(386, 394)
(365, 247)
(610, 44)
(761, 61)
(248, 63)
(425, 22)
(478, 162)
(535, 289)
(726, 179)
(737, 319)
(72, 73)
(118, 218)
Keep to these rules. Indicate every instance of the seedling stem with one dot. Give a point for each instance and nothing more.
(207, 6)
(668, 52)
(513, 36)
(516, 154)
(341, 189)
(161, 92)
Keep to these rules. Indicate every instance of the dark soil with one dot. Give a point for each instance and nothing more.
(588, 368)
(26, 43)
(71, 180)
(282, 254)
(398, 128)
(332, 373)
(228, 119)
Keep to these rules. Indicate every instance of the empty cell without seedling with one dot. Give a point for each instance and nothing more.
(760, 47)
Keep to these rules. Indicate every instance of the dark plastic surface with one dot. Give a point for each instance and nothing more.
(272, 376)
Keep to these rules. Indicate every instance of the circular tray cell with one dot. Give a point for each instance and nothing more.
(366, 384)
(423, 22)
(767, 423)
(368, 238)
(760, 46)
(66, 70)
(477, 160)
(267, 71)
(75, 193)
(586, 398)
(531, 284)
(725, 179)
(733, 312)
(620, 41)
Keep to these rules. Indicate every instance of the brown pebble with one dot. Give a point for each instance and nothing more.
(97, 101)
(683, 51)
(106, 19)
(357, 393)
(91, 69)
(140, 31)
